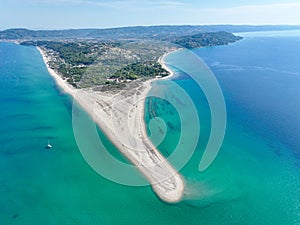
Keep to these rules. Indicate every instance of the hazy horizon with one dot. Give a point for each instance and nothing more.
(78, 14)
(154, 25)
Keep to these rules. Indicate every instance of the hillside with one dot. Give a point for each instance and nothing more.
(126, 33)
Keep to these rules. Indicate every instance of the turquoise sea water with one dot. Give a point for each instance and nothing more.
(254, 180)
(256, 177)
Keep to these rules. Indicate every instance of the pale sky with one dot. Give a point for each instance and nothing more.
(62, 14)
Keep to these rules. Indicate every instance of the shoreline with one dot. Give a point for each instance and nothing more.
(58, 79)
(133, 141)
(164, 66)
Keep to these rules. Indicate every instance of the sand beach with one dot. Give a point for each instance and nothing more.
(121, 117)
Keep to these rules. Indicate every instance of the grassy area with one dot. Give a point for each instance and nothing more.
(88, 64)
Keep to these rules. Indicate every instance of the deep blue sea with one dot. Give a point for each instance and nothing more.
(255, 178)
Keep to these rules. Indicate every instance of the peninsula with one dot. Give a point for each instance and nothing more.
(132, 141)
(99, 72)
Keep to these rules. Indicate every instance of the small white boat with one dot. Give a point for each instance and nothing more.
(48, 145)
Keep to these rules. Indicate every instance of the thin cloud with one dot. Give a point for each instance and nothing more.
(273, 7)
(285, 13)
(79, 2)
(167, 3)
(113, 4)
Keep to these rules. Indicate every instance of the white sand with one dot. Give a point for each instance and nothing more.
(58, 79)
(121, 118)
(164, 66)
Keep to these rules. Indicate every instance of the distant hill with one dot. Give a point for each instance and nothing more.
(131, 33)
(206, 39)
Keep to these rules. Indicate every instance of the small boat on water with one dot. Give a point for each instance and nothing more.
(48, 145)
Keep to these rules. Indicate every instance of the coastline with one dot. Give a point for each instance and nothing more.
(164, 66)
(132, 141)
(58, 79)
